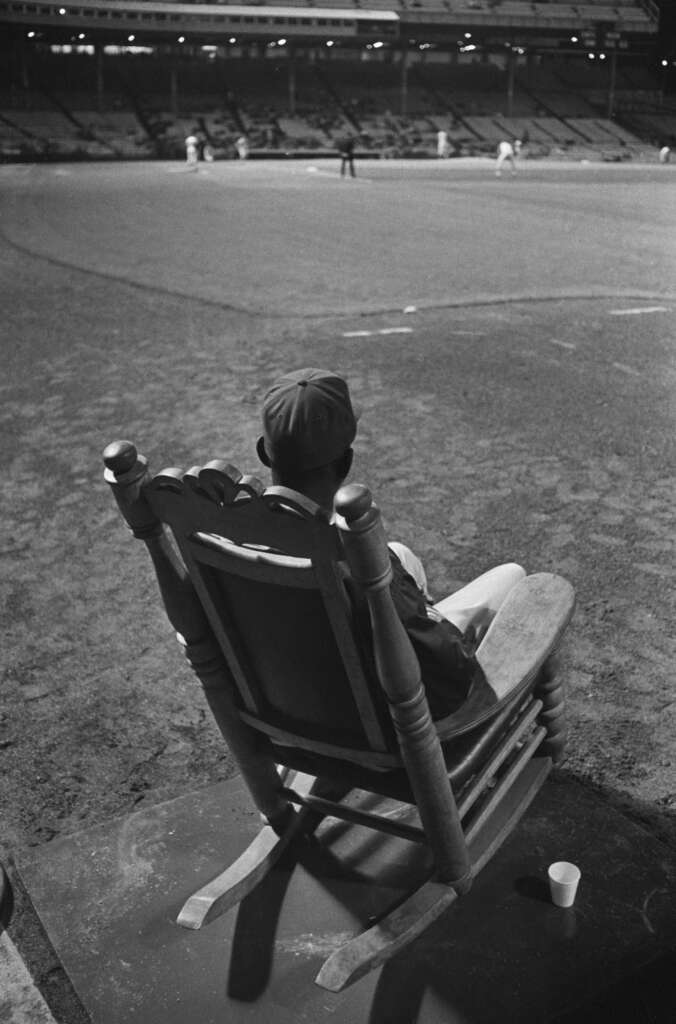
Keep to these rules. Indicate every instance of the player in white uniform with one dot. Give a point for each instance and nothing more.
(505, 153)
(665, 154)
(191, 154)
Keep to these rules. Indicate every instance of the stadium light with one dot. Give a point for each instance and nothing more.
(468, 35)
(573, 39)
(62, 10)
(130, 39)
(81, 35)
(665, 63)
(181, 39)
(31, 35)
(602, 56)
(232, 39)
(377, 46)
(281, 42)
(329, 42)
(591, 55)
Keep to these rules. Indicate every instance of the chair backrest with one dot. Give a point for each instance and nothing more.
(269, 568)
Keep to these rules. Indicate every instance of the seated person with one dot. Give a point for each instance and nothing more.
(309, 425)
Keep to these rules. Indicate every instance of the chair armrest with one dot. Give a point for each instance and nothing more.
(525, 631)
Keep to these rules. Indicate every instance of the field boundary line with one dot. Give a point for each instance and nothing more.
(468, 302)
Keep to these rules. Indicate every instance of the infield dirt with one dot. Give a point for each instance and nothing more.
(540, 432)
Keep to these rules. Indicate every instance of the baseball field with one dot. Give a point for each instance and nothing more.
(511, 344)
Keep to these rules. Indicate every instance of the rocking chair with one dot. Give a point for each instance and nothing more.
(264, 592)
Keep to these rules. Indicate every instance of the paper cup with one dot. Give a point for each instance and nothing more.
(563, 882)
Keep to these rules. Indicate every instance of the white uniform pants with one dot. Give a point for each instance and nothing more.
(474, 604)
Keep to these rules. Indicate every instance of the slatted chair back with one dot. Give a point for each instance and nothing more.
(269, 569)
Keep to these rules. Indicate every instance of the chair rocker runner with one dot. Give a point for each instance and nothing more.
(288, 621)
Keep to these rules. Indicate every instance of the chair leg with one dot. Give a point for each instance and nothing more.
(233, 884)
(549, 689)
(391, 934)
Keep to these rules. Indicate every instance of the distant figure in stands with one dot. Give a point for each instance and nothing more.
(505, 154)
(242, 147)
(346, 150)
(443, 148)
(191, 151)
(665, 154)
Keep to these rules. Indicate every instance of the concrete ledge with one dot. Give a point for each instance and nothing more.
(108, 898)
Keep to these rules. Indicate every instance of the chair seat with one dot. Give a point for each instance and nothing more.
(463, 757)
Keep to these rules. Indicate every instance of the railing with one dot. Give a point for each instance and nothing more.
(651, 8)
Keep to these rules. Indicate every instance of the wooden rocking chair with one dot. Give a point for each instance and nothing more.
(262, 590)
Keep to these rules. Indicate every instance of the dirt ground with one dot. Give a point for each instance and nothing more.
(540, 432)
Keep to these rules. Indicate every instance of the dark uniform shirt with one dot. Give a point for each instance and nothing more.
(346, 147)
(446, 656)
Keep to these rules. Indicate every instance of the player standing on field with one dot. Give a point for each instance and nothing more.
(191, 151)
(505, 154)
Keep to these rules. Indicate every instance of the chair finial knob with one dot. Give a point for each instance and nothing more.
(353, 501)
(120, 456)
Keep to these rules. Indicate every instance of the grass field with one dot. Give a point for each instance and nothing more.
(525, 411)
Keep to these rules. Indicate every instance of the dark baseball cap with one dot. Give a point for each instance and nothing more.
(308, 419)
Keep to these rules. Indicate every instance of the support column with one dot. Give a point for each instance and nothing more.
(611, 84)
(531, 66)
(24, 76)
(511, 72)
(98, 57)
(292, 83)
(173, 89)
(404, 81)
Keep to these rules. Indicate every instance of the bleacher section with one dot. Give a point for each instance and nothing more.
(133, 116)
(660, 129)
(42, 132)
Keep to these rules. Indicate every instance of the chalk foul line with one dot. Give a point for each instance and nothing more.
(382, 330)
(636, 311)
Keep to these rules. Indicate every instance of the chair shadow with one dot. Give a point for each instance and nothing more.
(258, 914)
(533, 888)
(253, 939)
(6, 899)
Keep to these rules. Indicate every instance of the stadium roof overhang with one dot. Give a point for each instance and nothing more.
(203, 22)
(153, 23)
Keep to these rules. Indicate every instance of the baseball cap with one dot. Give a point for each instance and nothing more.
(308, 419)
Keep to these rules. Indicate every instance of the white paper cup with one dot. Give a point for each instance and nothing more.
(563, 882)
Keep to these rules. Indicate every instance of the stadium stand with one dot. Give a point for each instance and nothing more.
(117, 100)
